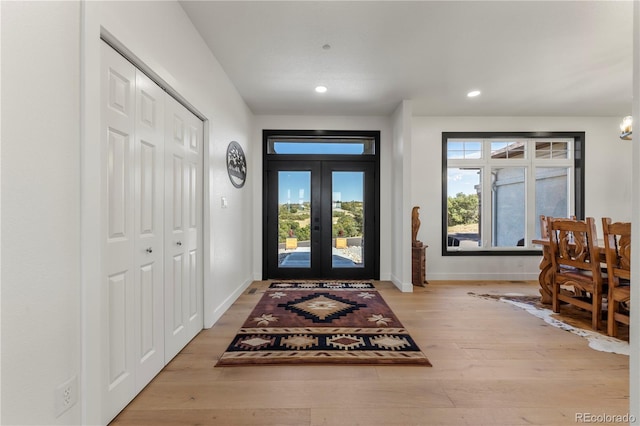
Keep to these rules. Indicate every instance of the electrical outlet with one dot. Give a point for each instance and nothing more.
(66, 395)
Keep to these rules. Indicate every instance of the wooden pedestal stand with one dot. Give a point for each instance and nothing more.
(418, 252)
(419, 264)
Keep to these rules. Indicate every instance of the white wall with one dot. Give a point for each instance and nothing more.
(634, 338)
(40, 208)
(50, 208)
(295, 122)
(607, 185)
(162, 37)
(400, 206)
(171, 46)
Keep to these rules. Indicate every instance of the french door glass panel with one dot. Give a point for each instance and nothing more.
(347, 219)
(294, 219)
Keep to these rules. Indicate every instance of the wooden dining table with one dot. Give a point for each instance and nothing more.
(545, 278)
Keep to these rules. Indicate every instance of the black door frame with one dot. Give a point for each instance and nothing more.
(322, 165)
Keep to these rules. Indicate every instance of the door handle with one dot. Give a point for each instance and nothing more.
(149, 250)
(179, 243)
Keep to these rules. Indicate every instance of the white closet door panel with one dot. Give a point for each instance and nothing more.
(147, 341)
(194, 208)
(195, 137)
(192, 196)
(119, 363)
(148, 187)
(193, 156)
(178, 127)
(177, 197)
(178, 276)
(120, 88)
(149, 229)
(176, 332)
(118, 269)
(193, 285)
(118, 184)
(183, 217)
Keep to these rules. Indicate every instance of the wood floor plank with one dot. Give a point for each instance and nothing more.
(493, 364)
(444, 416)
(217, 417)
(300, 373)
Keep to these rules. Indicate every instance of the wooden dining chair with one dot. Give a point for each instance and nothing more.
(544, 227)
(576, 266)
(617, 244)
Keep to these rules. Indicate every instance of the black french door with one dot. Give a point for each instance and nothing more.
(320, 218)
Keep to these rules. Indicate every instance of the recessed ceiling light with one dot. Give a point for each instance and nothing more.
(321, 89)
(473, 93)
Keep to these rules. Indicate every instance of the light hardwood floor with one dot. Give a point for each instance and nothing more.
(493, 364)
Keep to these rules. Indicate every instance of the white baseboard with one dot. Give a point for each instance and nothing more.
(476, 276)
(403, 287)
(226, 304)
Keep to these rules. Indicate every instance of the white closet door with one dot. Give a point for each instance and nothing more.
(151, 150)
(148, 229)
(117, 150)
(183, 227)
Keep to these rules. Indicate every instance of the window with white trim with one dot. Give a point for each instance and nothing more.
(496, 186)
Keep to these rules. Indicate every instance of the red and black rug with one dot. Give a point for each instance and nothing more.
(322, 322)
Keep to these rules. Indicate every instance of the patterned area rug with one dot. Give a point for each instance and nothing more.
(322, 322)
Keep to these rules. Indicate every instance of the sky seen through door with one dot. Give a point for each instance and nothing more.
(295, 187)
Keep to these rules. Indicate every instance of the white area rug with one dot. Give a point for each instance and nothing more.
(597, 341)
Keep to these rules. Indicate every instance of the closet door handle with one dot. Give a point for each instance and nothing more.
(149, 250)
(179, 243)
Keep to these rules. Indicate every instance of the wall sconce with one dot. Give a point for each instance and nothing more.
(625, 128)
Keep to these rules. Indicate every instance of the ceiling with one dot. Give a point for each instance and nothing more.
(528, 58)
